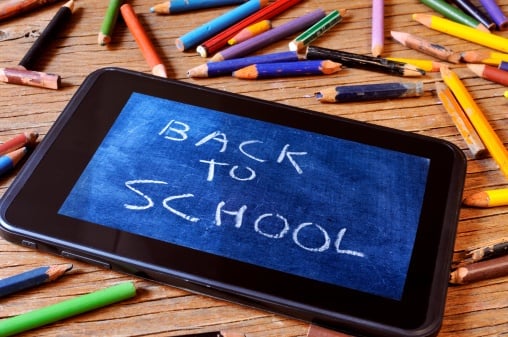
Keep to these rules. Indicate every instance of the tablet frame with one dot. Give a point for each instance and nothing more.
(69, 146)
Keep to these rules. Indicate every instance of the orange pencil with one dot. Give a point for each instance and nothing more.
(19, 141)
(143, 41)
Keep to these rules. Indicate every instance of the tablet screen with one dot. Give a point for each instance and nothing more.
(291, 200)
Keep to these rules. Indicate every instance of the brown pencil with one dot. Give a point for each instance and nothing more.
(29, 77)
(426, 47)
(490, 73)
(23, 139)
(480, 271)
(10, 8)
(143, 41)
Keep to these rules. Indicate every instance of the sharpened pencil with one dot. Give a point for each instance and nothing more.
(480, 271)
(145, 45)
(214, 69)
(485, 57)
(433, 49)
(487, 251)
(363, 61)
(62, 16)
(10, 160)
(488, 198)
(11, 8)
(287, 69)
(23, 139)
(273, 35)
(181, 6)
(32, 278)
(464, 32)
(461, 121)
(490, 73)
(488, 136)
(367, 92)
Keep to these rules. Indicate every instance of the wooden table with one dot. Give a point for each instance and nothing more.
(479, 309)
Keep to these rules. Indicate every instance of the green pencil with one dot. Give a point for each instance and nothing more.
(316, 30)
(109, 22)
(66, 309)
(454, 13)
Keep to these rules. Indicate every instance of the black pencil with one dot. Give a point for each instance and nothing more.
(54, 27)
(365, 92)
(32, 278)
(363, 61)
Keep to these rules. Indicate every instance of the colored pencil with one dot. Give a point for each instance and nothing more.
(486, 251)
(62, 16)
(461, 121)
(216, 334)
(143, 41)
(251, 31)
(23, 139)
(11, 8)
(489, 198)
(32, 278)
(30, 78)
(475, 12)
(316, 30)
(214, 26)
(10, 160)
(363, 61)
(287, 69)
(485, 57)
(109, 22)
(480, 271)
(433, 49)
(219, 41)
(66, 309)
(367, 92)
(505, 94)
(490, 73)
(495, 13)
(269, 37)
(181, 6)
(427, 65)
(453, 13)
(463, 32)
(503, 65)
(378, 27)
(214, 69)
(477, 118)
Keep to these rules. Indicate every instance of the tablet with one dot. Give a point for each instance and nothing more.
(344, 224)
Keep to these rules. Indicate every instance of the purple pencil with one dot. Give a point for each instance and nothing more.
(495, 13)
(378, 34)
(271, 36)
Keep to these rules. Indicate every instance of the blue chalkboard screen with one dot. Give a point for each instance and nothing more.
(303, 203)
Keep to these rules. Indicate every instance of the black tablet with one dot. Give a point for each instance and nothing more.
(341, 223)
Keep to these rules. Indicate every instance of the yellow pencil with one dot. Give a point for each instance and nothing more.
(490, 198)
(486, 57)
(462, 31)
(427, 65)
(489, 137)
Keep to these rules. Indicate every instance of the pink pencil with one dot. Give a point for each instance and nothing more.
(378, 34)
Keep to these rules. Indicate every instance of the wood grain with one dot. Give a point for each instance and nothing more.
(473, 310)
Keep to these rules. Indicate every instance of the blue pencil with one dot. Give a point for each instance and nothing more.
(287, 69)
(214, 69)
(270, 36)
(365, 92)
(8, 161)
(32, 278)
(204, 32)
(180, 6)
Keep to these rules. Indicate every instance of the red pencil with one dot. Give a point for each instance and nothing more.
(219, 41)
(18, 141)
(490, 73)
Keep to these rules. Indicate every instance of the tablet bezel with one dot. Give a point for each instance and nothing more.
(48, 176)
